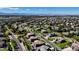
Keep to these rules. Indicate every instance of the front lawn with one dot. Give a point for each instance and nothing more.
(63, 45)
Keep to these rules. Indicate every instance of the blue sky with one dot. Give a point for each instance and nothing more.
(42, 10)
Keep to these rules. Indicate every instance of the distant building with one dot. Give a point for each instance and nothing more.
(1, 34)
(43, 48)
(60, 40)
(29, 35)
(51, 35)
(44, 31)
(38, 43)
(32, 38)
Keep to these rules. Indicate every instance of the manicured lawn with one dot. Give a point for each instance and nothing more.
(3, 49)
(51, 39)
(63, 45)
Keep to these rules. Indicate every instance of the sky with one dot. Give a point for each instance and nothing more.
(41, 10)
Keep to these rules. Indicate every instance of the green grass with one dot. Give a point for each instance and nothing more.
(6, 33)
(13, 45)
(76, 37)
(51, 39)
(3, 49)
(27, 44)
(63, 45)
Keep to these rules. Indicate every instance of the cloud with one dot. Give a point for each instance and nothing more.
(10, 8)
(14, 8)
